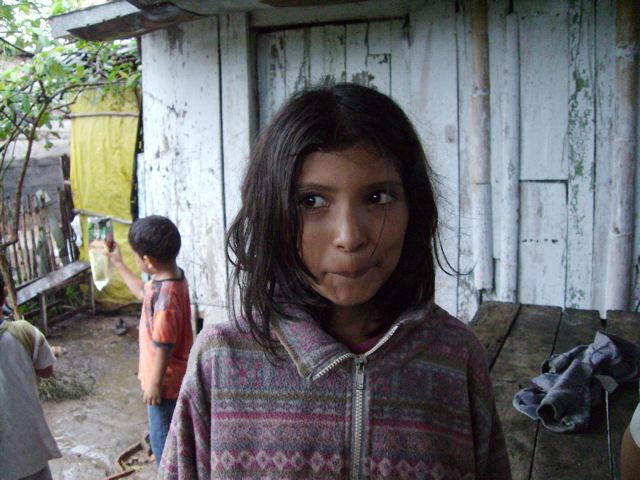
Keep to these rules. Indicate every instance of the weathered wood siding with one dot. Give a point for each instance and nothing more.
(182, 166)
(537, 218)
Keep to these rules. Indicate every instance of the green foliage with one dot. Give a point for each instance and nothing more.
(46, 78)
(62, 387)
(35, 94)
(73, 295)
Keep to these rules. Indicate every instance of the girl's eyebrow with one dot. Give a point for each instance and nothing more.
(384, 185)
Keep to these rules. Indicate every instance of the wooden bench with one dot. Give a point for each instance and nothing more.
(74, 272)
(518, 338)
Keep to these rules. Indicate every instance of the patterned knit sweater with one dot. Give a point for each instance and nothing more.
(417, 405)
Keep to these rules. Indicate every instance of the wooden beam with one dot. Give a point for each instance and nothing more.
(61, 25)
(509, 194)
(625, 157)
(354, 11)
(479, 149)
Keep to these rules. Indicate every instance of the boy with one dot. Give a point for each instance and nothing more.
(165, 335)
(26, 442)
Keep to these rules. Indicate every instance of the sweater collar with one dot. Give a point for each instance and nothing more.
(313, 350)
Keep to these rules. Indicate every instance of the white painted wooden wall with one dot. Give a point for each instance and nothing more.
(207, 84)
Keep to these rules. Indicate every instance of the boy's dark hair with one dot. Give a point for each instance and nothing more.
(263, 240)
(155, 236)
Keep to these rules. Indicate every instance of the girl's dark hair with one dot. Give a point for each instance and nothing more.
(262, 242)
(156, 237)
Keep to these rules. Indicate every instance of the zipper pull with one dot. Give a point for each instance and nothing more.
(360, 364)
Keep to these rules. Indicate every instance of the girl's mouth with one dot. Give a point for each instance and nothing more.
(353, 274)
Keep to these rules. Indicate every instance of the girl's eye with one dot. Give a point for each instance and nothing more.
(312, 201)
(380, 198)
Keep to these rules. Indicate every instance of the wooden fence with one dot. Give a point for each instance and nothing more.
(45, 241)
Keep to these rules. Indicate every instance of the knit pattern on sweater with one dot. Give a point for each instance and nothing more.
(428, 409)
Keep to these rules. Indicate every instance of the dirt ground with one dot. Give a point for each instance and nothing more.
(93, 431)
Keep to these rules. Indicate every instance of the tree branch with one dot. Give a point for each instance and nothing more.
(24, 52)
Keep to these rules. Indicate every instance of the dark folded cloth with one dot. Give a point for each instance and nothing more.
(572, 382)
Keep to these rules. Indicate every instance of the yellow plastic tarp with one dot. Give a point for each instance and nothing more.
(103, 138)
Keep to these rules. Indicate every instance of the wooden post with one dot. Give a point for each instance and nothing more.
(28, 208)
(6, 275)
(625, 156)
(480, 164)
(507, 274)
(92, 300)
(42, 306)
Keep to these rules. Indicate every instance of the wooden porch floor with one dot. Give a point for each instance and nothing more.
(518, 338)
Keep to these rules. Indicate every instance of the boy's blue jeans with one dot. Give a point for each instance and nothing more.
(159, 423)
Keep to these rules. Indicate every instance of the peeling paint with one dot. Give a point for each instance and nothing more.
(362, 78)
(175, 37)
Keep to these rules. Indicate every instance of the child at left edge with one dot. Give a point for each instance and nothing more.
(165, 334)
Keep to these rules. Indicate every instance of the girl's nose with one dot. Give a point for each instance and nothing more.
(350, 233)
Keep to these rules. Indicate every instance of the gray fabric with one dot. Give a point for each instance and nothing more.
(44, 474)
(571, 383)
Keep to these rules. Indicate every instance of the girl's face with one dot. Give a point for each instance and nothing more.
(354, 218)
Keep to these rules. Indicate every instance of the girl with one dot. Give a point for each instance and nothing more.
(340, 365)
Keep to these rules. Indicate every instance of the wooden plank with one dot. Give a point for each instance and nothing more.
(499, 71)
(623, 401)
(42, 307)
(354, 11)
(401, 64)
(30, 240)
(52, 280)
(327, 54)
(238, 109)
(529, 344)
(556, 454)
(467, 294)
(183, 152)
(604, 98)
(541, 277)
(296, 60)
(507, 206)
(379, 56)
(581, 142)
(492, 324)
(479, 148)
(271, 74)
(543, 88)
(356, 53)
(434, 100)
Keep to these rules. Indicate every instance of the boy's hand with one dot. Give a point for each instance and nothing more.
(114, 254)
(153, 395)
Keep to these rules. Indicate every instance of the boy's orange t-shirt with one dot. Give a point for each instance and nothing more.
(165, 322)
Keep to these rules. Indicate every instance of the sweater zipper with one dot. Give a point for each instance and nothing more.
(357, 423)
(358, 417)
(358, 407)
(334, 363)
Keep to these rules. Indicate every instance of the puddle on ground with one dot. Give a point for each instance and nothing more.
(94, 430)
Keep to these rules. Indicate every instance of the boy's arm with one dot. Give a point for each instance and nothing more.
(153, 392)
(133, 281)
